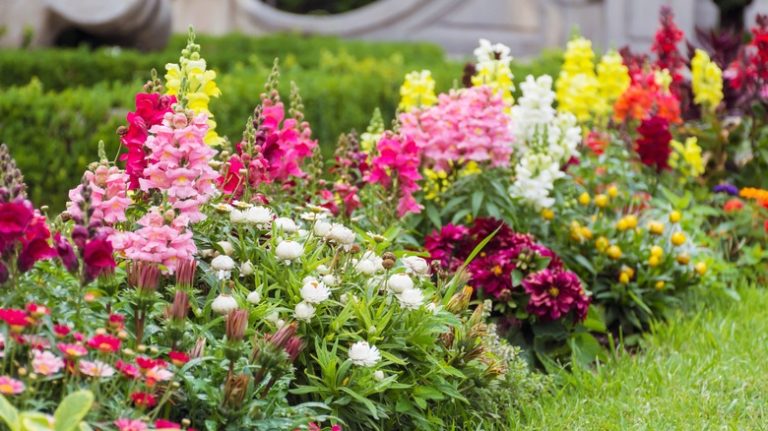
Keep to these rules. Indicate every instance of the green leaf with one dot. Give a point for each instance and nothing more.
(365, 401)
(421, 402)
(34, 421)
(9, 414)
(477, 200)
(434, 216)
(517, 277)
(428, 393)
(72, 410)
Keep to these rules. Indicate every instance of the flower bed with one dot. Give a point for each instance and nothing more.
(421, 279)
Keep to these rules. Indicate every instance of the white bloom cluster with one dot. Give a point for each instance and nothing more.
(410, 297)
(363, 354)
(546, 141)
(368, 264)
(259, 216)
(489, 52)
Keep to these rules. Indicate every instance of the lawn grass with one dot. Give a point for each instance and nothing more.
(706, 369)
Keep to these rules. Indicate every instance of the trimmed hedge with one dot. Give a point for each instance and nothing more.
(54, 133)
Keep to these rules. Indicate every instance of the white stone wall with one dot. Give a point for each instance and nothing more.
(527, 26)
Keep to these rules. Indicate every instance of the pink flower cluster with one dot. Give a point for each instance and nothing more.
(397, 166)
(162, 240)
(280, 146)
(108, 196)
(178, 163)
(150, 110)
(465, 125)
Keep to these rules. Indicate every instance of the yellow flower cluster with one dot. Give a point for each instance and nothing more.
(438, 182)
(418, 90)
(613, 79)
(492, 70)
(690, 154)
(194, 85)
(581, 91)
(706, 80)
(580, 233)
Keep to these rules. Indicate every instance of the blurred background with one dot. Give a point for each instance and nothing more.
(69, 69)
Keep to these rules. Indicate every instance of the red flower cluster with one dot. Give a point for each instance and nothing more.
(554, 294)
(24, 234)
(150, 109)
(665, 46)
(749, 72)
(653, 143)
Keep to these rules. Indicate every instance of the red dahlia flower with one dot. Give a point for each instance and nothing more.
(553, 294)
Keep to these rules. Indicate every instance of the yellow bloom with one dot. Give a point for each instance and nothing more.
(691, 154)
(657, 251)
(613, 191)
(435, 184)
(631, 221)
(601, 200)
(678, 238)
(663, 78)
(674, 216)
(656, 228)
(601, 244)
(577, 87)
(683, 258)
(701, 268)
(613, 79)
(624, 278)
(660, 284)
(614, 252)
(470, 168)
(706, 80)
(547, 214)
(653, 261)
(418, 90)
(497, 75)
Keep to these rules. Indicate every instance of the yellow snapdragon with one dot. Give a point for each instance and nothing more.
(576, 89)
(194, 86)
(492, 70)
(417, 91)
(613, 79)
(706, 80)
(690, 154)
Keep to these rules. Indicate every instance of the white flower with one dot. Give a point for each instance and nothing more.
(289, 250)
(237, 216)
(363, 354)
(226, 247)
(223, 304)
(322, 228)
(303, 311)
(399, 283)
(411, 299)
(322, 269)
(378, 375)
(341, 234)
(286, 225)
(223, 208)
(246, 268)
(259, 216)
(253, 297)
(223, 265)
(369, 263)
(416, 265)
(329, 280)
(314, 292)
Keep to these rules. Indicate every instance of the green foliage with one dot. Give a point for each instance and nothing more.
(68, 416)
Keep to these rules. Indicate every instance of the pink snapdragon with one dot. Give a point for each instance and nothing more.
(178, 163)
(465, 125)
(109, 200)
(397, 165)
(162, 240)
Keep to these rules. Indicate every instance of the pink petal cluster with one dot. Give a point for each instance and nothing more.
(150, 110)
(178, 163)
(109, 200)
(397, 165)
(465, 125)
(162, 240)
(281, 145)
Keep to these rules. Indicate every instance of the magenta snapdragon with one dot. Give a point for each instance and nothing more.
(396, 166)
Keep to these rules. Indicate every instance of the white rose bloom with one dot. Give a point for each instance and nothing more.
(330, 280)
(223, 266)
(237, 216)
(322, 228)
(226, 247)
(399, 283)
(341, 234)
(289, 250)
(259, 216)
(416, 265)
(223, 304)
(253, 297)
(411, 299)
(378, 375)
(363, 354)
(314, 292)
(286, 225)
(246, 268)
(303, 311)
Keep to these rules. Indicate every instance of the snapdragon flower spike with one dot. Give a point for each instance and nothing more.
(397, 163)
(108, 196)
(665, 46)
(24, 232)
(11, 179)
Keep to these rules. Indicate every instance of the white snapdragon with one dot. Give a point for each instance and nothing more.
(363, 354)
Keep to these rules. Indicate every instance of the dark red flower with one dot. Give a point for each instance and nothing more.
(14, 218)
(14, 317)
(128, 370)
(104, 343)
(554, 294)
(665, 46)
(66, 252)
(143, 400)
(448, 246)
(116, 321)
(61, 330)
(148, 363)
(165, 424)
(33, 251)
(98, 258)
(653, 144)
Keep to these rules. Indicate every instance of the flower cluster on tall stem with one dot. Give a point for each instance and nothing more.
(396, 168)
(668, 55)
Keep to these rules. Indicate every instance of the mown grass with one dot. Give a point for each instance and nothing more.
(704, 369)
